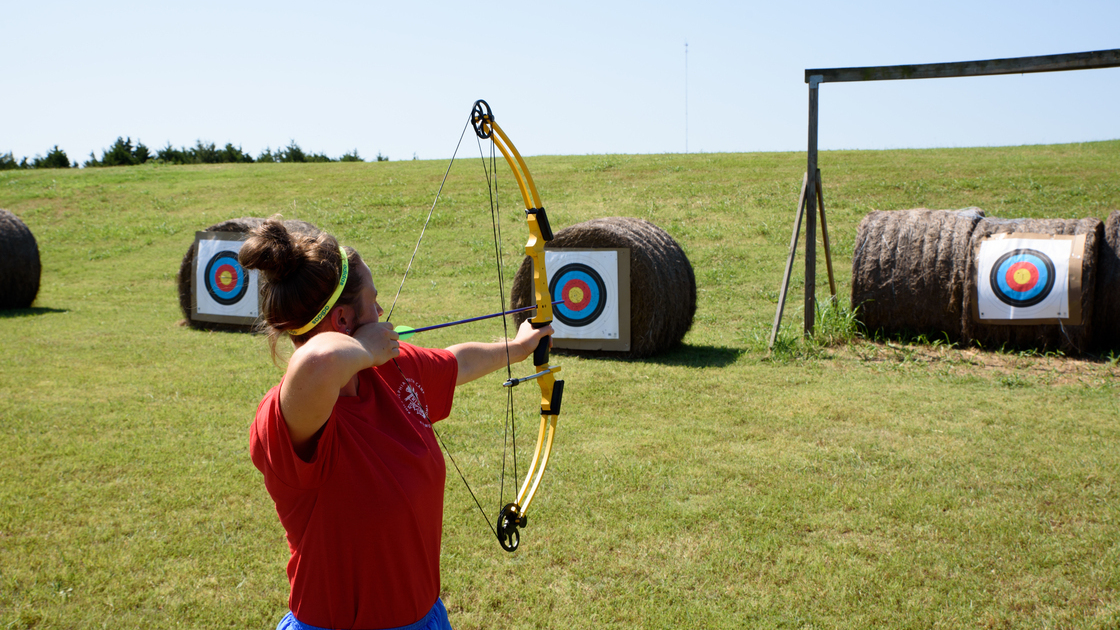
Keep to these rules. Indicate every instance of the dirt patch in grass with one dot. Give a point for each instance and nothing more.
(1050, 368)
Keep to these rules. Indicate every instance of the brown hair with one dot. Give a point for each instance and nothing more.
(299, 272)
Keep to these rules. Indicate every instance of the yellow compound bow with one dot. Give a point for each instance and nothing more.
(513, 516)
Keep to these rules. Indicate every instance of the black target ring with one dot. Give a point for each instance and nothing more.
(582, 292)
(225, 279)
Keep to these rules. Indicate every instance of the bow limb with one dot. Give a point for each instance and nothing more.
(514, 515)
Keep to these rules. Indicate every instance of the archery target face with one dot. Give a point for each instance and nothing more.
(587, 284)
(1021, 278)
(225, 279)
(223, 286)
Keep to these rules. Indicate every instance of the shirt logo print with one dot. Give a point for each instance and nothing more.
(407, 394)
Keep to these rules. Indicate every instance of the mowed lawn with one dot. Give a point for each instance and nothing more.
(866, 483)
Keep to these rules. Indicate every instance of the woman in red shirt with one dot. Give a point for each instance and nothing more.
(345, 440)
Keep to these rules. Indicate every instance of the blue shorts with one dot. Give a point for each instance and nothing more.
(436, 619)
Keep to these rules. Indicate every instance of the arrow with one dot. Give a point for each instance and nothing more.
(405, 331)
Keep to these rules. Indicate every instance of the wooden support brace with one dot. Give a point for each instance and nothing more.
(789, 261)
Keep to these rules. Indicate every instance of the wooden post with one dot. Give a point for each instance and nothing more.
(789, 261)
(811, 212)
(824, 237)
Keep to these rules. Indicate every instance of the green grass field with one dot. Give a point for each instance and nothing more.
(852, 485)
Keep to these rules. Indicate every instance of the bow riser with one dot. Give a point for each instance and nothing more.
(535, 249)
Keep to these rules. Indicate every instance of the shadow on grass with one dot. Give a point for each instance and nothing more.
(699, 356)
(681, 355)
(217, 327)
(29, 312)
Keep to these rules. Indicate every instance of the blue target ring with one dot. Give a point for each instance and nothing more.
(1022, 277)
(226, 280)
(582, 293)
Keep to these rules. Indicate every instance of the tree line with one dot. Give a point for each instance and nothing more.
(124, 153)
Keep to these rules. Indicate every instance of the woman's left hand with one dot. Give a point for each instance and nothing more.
(527, 339)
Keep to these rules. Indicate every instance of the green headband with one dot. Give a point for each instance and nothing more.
(330, 303)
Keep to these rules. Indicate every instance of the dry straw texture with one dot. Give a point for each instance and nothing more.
(186, 267)
(908, 270)
(662, 283)
(1067, 338)
(20, 267)
(1106, 307)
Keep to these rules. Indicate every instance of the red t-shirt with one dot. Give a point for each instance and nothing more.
(364, 517)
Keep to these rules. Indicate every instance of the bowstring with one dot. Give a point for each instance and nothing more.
(424, 415)
(509, 436)
(426, 221)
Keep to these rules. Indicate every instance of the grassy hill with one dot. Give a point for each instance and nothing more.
(829, 486)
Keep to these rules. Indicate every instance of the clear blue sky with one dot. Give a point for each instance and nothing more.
(570, 78)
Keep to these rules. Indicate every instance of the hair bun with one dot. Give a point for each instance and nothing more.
(272, 250)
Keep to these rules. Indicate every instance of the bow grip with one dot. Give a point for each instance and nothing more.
(542, 222)
(540, 355)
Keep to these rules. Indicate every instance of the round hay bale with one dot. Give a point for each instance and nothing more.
(186, 267)
(1071, 339)
(1107, 303)
(1106, 306)
(20, 267)
(662, 283)
(908, 270)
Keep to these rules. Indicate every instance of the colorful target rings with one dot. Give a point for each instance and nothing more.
(1022, 277)
(583, 292)
(226, 280)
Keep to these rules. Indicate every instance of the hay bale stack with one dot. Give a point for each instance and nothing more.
(908, 270)
(1106, 306)
(186, 267)
(20, 267)
(1068, 338)
(662, 283)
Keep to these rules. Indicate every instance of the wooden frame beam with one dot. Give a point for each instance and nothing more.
(1015, 65)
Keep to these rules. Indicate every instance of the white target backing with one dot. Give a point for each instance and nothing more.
(224, 291)
(1029, 278)
(593, 288)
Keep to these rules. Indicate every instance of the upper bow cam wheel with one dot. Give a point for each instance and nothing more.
(480, 119)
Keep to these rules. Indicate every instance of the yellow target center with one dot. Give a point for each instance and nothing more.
(1022, 276)
(225, 278)
(575, 295)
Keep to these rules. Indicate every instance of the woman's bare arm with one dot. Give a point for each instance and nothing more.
(324, 365)
(479, 359)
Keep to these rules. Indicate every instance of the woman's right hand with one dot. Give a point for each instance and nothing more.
(380, 341)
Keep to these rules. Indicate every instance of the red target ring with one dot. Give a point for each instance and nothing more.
(1022, 276)
(576, 294)
(226, 277)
